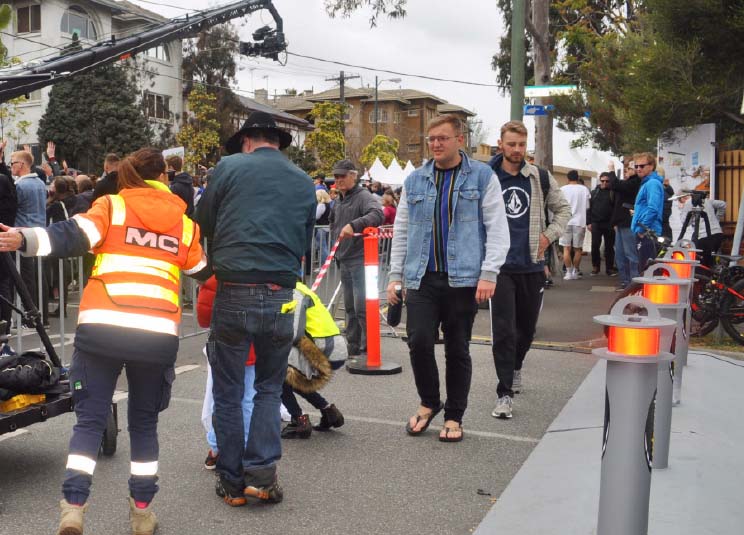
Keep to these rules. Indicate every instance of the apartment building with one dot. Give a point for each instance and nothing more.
(401, 114)
(41, 28)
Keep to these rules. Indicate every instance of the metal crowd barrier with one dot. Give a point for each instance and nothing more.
(329, 290)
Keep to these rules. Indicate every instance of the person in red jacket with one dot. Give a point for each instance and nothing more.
(204, 317)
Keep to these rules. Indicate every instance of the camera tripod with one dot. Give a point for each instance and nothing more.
(696, 213)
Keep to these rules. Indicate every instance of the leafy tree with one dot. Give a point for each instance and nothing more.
(327, 140)
(200, 132)
(209, 60)
(92, 114)
(382, 147)
(679, 67)
(395, 9)
(302, 159)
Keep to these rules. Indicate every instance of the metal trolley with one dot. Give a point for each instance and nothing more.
(58, 399)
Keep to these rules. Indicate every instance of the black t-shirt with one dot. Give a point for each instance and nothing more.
(517, 191)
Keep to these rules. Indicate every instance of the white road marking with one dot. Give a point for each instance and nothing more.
(186, 368)
(14, 434)
(121, 395)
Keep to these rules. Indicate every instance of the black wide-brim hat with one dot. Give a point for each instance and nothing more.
(257, 120)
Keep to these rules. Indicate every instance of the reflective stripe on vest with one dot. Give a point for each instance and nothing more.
(188, 231)
(139, 290)
(118, 210)
(128, 319)
(115, 263)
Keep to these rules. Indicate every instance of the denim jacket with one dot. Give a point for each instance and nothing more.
(478, 236)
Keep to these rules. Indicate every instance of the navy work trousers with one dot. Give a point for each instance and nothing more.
(93, 380)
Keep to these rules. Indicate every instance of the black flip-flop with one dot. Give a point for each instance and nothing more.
(447, 438)
(410, 430)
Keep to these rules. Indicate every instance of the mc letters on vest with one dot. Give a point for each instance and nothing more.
(133, 278)
(148, 238)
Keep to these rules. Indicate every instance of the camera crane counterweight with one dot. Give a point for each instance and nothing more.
(18, 81)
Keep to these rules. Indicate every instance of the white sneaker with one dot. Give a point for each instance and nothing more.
(503, 408)
(568, 276)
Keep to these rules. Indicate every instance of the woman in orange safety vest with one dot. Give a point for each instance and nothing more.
(129, 317)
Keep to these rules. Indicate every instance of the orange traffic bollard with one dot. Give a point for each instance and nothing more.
(374, 364)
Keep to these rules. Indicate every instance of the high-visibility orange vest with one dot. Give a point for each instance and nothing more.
(135, 279)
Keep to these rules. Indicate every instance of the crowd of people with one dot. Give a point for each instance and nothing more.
(464, 233)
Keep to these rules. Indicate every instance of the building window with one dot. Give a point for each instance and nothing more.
(77, 21)
(29, 18)
(396, 117)
(156, 106)
(413, 113)
(414, 147)
(382, 116)
(430, 113)
(159, 52)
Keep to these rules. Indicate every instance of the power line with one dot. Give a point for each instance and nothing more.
(423, 76)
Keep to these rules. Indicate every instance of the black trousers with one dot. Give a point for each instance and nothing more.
(293, 407)
(515, 308)
(436, 301)
(603, 231)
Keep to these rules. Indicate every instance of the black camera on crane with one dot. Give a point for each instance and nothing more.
(269, 43)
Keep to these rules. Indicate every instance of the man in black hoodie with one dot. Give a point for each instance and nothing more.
(182, 184)
(108, 184)
(626, 253)
(600, 213)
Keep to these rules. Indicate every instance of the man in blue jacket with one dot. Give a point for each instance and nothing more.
(649, 207)
(450, 239)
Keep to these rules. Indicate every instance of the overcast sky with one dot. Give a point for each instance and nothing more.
(438, 38)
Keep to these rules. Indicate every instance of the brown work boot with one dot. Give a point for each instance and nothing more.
(71, 520)
(143, 521)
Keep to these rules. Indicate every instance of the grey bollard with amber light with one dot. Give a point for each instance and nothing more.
(633, 354)
(682, 259)
(662, 287)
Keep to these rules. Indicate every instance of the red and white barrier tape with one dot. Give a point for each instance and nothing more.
(383, 232)
(324, 267)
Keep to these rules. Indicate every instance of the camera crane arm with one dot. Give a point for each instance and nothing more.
(15, 82)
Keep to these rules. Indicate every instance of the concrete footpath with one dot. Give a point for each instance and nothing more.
(557, 488)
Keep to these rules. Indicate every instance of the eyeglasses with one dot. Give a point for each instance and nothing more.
(433, 139)
(604, 181)
(641, 166)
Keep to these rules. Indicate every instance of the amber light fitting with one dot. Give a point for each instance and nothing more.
(661, 294)
(633, 342)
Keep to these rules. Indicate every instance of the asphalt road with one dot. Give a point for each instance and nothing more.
(367, 477)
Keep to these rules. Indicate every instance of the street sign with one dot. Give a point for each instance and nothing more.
(533, 91)
(535, 109)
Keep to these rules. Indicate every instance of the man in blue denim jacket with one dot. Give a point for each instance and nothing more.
(449, 242)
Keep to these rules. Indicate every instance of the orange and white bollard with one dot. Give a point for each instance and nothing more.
(374, 364)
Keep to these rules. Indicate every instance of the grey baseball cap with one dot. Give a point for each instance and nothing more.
(343, 167)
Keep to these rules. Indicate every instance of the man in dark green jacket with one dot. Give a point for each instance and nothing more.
(256, 239)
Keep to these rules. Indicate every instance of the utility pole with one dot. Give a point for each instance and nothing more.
(342, 77)
(538, 30)
(518, 60)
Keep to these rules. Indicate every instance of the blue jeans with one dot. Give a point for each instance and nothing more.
(321, 244)
(352, 279)
(245, 315)
(626, 254)
(250, 375)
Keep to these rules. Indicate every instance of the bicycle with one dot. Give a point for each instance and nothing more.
(717, 293)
